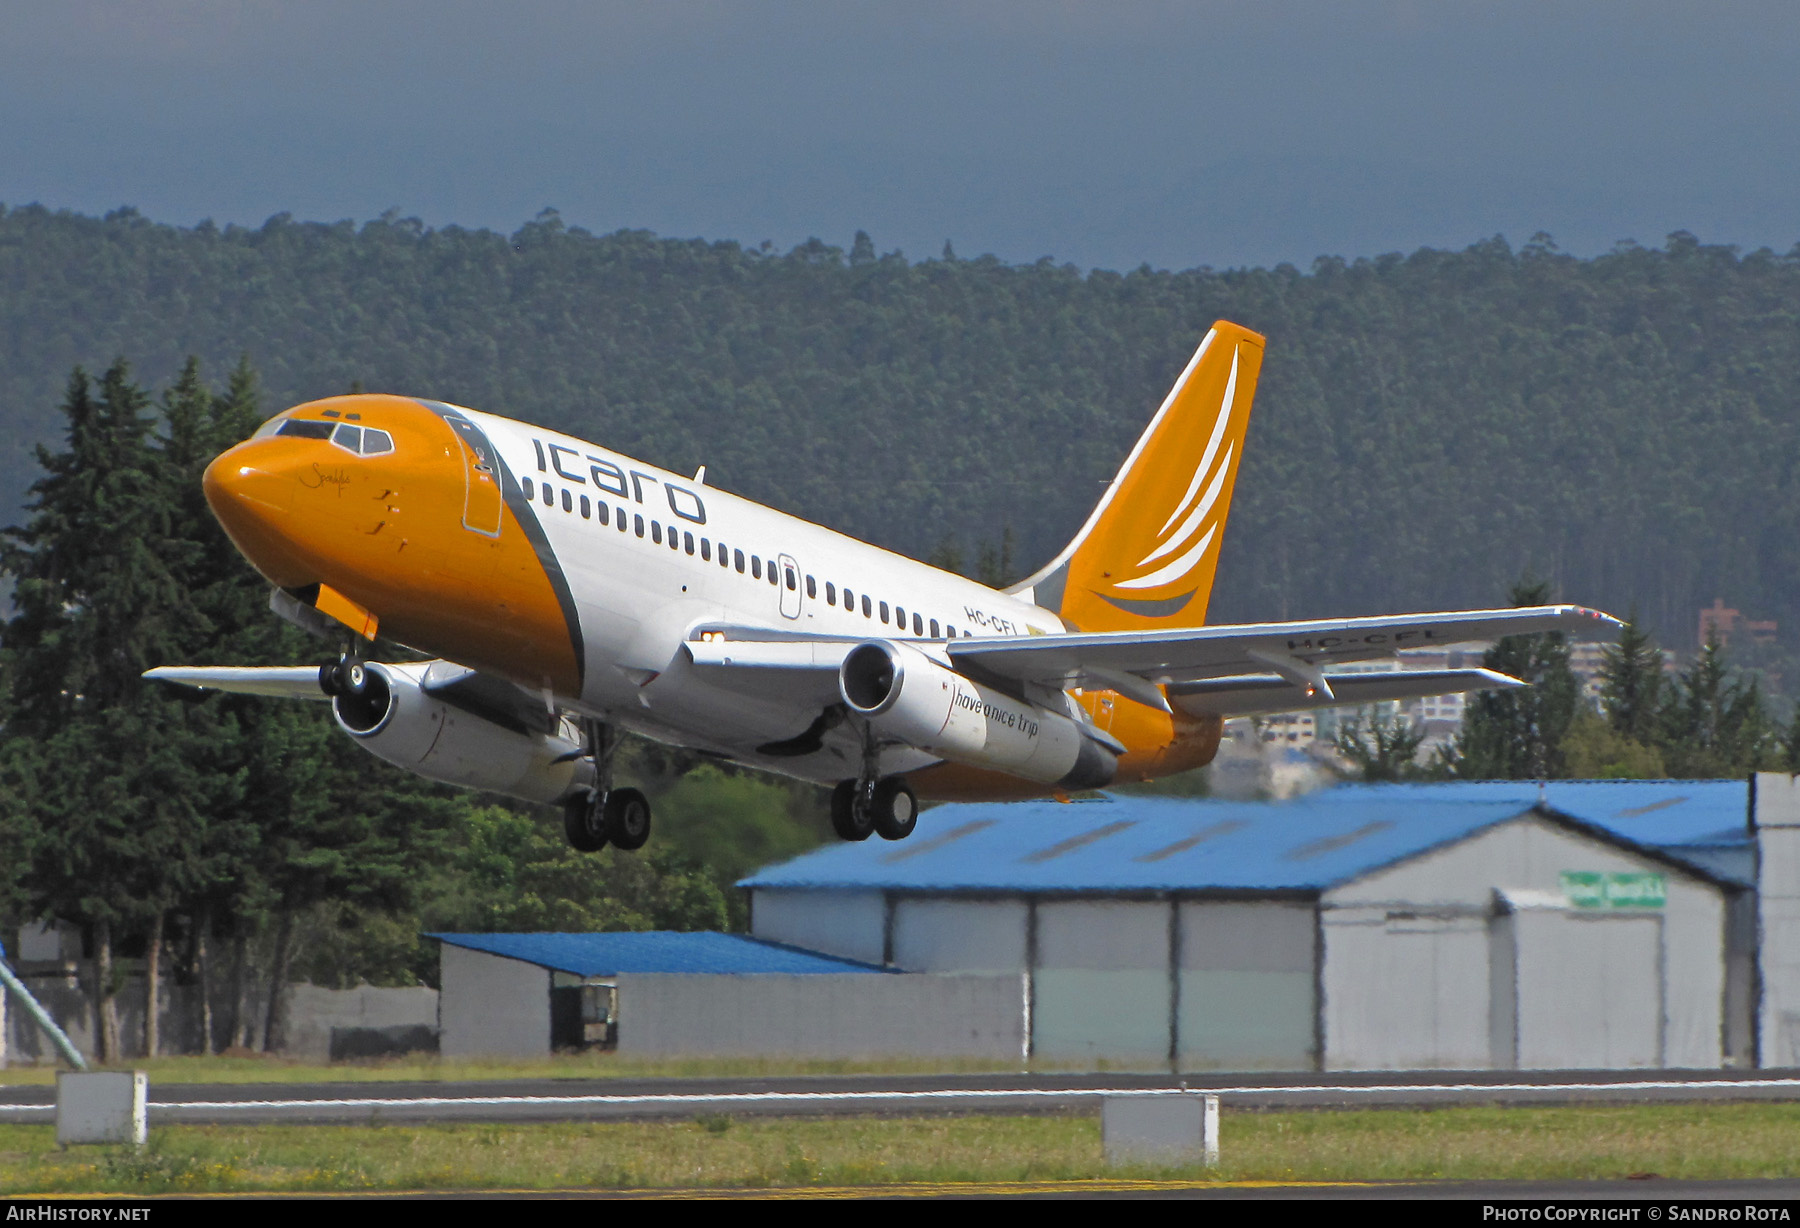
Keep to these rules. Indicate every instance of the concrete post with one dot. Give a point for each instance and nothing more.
(1160, 1129)
(102, 1106)
(1775, 820)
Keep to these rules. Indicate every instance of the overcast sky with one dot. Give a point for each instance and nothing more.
(1107, 134)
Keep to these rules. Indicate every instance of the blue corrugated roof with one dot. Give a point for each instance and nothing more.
(1126, 843)
(653, 951)
(1664, 813)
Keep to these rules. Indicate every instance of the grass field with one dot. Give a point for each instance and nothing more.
(1690, 1141)
(258, 1068)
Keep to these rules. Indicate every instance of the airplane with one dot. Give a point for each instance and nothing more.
(566, 593)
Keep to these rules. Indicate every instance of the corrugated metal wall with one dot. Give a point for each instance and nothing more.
(851, 924)
(1101, 987)
(1248, 990)
(491, 1005)
(1428, 965)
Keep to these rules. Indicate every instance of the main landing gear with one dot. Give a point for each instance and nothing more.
(603, 815)
(887, 808)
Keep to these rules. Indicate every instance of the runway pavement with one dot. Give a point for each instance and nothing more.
(665, 1098)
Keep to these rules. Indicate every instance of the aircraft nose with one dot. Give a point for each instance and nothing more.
(252, 498)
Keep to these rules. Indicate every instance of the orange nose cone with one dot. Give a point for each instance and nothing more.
(252, 502)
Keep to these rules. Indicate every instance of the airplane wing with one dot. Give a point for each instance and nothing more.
(484, 695)
(279, 681)
(1260, 694)
(1132, 662)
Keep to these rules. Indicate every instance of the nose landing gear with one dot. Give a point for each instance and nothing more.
(603, 815)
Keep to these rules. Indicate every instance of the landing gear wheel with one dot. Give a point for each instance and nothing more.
(850, 819)
(346, 676)
(893, 808)
(627, 821)
(583, 824)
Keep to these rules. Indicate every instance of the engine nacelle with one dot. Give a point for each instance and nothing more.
(397, 720)
(907, 696)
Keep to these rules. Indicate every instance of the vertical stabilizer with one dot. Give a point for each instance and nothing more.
(1146, 556)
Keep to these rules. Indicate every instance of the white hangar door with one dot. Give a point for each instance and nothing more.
(1590, 989)
(1405, 991)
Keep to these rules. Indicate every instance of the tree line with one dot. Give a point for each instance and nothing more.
(236, 843)
(1429, 425)
(1707, 719)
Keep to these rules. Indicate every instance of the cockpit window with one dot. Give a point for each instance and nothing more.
(307, 428)
(348, 437)
(376, 442)
(268, 428)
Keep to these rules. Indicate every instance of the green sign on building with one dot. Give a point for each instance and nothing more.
(1593, 889)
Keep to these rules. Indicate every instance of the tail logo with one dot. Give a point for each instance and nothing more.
(1212, 469)
(1147, 554)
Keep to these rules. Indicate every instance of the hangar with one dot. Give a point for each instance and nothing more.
(662, 993)
(1470, 925)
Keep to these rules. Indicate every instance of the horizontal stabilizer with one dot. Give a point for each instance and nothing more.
(279, 681)
(1261, 694)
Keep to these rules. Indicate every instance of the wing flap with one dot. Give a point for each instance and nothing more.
(1199, 653)
(279, 681)
(1261, 694)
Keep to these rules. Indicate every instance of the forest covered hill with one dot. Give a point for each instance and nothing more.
(1429, 427)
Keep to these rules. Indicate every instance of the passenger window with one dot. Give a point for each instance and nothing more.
(755, 567)
(812, 589)
(918, 624)
(900, 618)
(706, 549)
(737, 559)
(674, 538)
(568, 502)
(773, 578)
(348, 437)
(529, 487)
(949, 631)
(549, 496)
(868, 609)
(584, 508)
(376, 442)
(604, 513)
(934, 629)
(637, 523)
(884, 612)
(830, 593)
(305, 428)
(656, 531)
(793, 583)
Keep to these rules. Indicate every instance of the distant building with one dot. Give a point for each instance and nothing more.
(1725, 623)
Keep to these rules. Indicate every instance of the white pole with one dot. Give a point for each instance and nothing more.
(1209, 1131)
(35, 1009)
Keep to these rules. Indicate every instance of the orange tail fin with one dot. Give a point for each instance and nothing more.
(1146, 556)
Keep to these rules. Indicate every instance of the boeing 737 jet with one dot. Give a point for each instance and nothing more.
(568, 593)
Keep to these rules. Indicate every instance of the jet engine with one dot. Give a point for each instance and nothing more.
(396, 718)
(909, 697)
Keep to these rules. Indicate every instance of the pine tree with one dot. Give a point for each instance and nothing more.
(96, 604)
(1518, 734)
(1383, 749)
(1631, 683)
